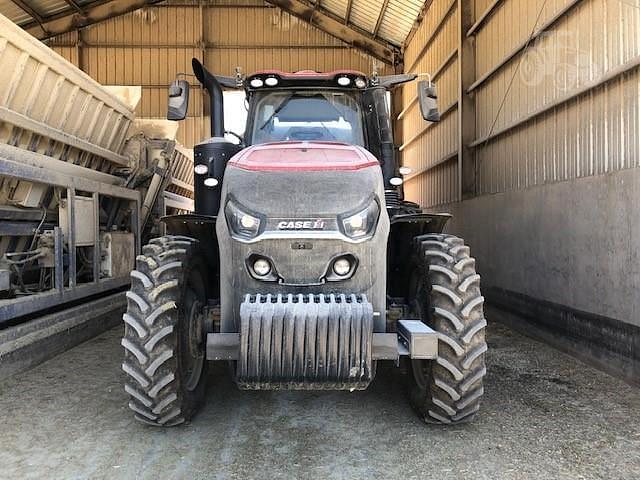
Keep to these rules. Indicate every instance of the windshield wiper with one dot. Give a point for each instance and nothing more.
(330, 100)
(328, 131)
(283, 104)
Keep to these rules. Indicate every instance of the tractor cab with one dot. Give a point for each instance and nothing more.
(341, 106)
(308, 107)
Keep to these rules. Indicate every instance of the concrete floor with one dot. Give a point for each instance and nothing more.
(545, 415)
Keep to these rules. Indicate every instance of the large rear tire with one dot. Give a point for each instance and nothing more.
(445, 294)
(164, 338)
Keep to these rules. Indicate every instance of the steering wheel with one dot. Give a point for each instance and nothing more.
(234, 134)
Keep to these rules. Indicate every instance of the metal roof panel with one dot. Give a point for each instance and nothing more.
(365, 13)
(337, 7)
(47, 8)
(398, 20)
(398, 16)
(13, 12)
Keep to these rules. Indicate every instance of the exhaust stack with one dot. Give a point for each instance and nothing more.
(211, 85)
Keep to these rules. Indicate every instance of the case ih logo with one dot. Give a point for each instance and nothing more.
(301, 225)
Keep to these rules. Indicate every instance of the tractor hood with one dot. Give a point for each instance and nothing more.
(304, 157)
(289, 202)
(299, 179)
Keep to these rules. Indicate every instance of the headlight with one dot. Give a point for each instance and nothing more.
(341, 267)
(201, 168)
(361, 224)
(262, 267)
(241, 223)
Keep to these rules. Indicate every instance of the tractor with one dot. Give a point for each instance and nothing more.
(303, 266)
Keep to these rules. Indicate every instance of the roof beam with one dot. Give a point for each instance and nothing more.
(381, 50)
(347, 15)
(92, 14)
(383, 10)
(74, 6)
(27, 8)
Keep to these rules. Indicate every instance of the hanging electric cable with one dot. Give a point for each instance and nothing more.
(515, 72)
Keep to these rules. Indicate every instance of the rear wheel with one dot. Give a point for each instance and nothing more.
(165, 335)
(445, 294)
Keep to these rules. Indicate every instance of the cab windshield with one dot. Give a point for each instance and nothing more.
(307, 115)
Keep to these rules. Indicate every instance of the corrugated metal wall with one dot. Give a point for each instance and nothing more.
(549, 186)
(550, 134)
(431, 149)
(566, 108)
(149, 46)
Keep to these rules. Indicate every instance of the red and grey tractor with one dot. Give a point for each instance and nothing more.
(303, 266)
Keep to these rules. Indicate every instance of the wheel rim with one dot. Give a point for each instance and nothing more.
(193, 352)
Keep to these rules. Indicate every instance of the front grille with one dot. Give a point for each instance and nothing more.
(309, 298)
(305, 342)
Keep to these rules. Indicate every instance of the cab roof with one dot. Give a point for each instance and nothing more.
(351, 79)
(343, 78)
(300, 74)
(357, 80)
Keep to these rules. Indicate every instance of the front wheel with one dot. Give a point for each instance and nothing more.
(164, 337)
(445, 294)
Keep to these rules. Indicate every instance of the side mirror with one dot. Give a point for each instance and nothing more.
(428, 101)
(178, 100)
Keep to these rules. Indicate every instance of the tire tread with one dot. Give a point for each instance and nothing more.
(451, 291)
(150, 338)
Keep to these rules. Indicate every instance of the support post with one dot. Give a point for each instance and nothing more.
(71, 240)
(135, 224)
(58, 255)
(161, 206)
(79, 49)
(466, 102)
(96, 240)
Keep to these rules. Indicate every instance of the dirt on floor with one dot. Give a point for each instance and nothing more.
(544, 416)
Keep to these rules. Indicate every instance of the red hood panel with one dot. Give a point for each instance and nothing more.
(303, 156)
